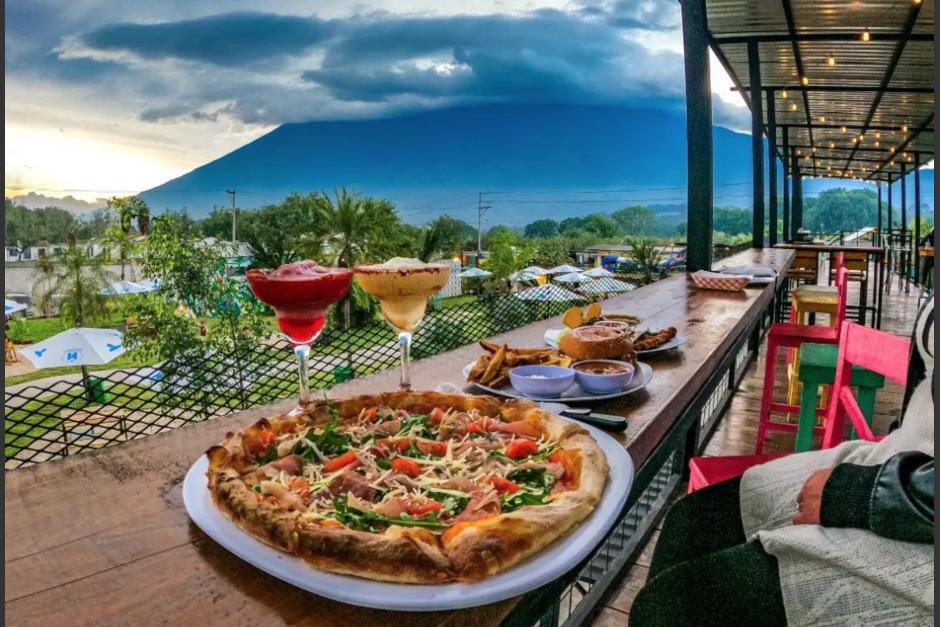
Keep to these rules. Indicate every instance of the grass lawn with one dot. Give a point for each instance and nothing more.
(32, 330)
(130, 359)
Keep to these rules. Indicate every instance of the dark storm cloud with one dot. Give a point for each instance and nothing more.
(266, 68)
(550, 54)
(231, 39)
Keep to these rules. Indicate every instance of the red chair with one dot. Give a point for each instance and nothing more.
(873, 350)
(787, 335)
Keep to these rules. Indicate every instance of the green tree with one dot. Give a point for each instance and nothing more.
(570, 226)
(126, 209)
(732, 220)
(646, 255)
(542, 228)
(25, 227)
(600, 225)
(192, 272)
(634, 220)
(552, 251)
(444, 237)
(218, 223)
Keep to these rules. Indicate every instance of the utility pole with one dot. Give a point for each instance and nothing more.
(232, 192)
(483, 207)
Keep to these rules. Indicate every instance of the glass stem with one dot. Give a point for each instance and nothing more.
(301, 352)
(404, 343)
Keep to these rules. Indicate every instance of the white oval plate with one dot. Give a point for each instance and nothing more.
(551, 338)
(574, 394)
(550, 564)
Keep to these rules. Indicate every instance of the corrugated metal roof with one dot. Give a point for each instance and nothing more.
(881, 90)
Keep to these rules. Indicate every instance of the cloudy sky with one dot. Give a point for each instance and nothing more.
(107, 97)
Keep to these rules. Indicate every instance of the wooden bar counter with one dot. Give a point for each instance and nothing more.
(102, 538)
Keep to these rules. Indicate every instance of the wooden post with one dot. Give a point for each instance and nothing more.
(878, 185)
(772, 171)
(796, 220)
(890, 207)
(757, 143)
(787, 235)
(903, 198)
(698, 107)
(916, 200)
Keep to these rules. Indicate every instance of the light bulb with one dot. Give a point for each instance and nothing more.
(805, 80)
(822, 119)
(877, 144)
(793, 107)
(844, 129)
(877, 135)
(798, 152)
(832, 145)
(831, 61)
(814, 149)
(866, 36)
(904, 128)
(784, 94)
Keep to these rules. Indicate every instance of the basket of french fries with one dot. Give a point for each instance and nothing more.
(493, 366)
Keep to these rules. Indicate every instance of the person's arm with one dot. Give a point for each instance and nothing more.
(894, 500)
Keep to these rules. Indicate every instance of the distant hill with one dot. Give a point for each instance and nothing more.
(73, 205)
(532, 159)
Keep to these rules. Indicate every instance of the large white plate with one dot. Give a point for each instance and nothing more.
(546, 566)
(551, 338)
(574, 394)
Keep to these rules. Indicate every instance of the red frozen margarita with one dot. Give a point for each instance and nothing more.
(300, 294)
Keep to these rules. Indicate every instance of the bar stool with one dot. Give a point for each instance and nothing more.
(785, 336)
(817, 367)
(857, 265)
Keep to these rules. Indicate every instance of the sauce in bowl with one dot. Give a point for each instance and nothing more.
(602, 367)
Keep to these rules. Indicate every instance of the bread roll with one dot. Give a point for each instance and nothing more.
(596, 343)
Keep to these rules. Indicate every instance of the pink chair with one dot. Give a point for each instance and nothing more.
(788, 335)
(873, 350)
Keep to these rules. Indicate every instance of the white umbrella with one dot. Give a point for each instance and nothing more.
(76, 347)
(474, 273)
(599, 273)
(522, 275)
(537, 271)
(573, 278)
(548, 292)
(11, 306)
(149, 285)
(123, 287)
(565, 269)
(606, 286)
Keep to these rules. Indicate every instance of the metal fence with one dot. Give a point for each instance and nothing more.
(68, 417)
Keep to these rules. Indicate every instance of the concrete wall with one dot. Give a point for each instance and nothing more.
(21, 276)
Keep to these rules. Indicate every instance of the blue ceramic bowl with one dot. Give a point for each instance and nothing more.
(541, 381)
(607, 383)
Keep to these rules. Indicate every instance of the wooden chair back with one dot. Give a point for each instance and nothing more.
(872, 350)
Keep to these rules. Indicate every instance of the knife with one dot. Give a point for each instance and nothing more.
(608, 422)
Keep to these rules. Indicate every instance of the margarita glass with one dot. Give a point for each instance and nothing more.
(403, 287)
(300, 294)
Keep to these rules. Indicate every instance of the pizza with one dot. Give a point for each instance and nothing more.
(409, 487)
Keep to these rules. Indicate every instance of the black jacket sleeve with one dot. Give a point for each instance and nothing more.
(894, 500)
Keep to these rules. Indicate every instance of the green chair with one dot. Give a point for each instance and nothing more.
(817, 366)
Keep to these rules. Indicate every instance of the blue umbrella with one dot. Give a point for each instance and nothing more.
(11, 306)
(81, 346)
(474, 273)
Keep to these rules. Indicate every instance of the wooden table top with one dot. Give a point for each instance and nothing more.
(102, 538)
(831, 248)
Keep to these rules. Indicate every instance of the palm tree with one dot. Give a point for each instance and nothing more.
(127, 209)
(78, 277)
(45, 268)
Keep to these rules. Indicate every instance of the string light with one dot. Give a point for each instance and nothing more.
(861, 137)
(793, 107)
(822, 119)
(877, 135)
(877, 144)
(904, 128)
(805, 81)
(832, 145)
(866, 35)
(891, 148)
(831, 61)
(814, 149)
(843, 129)
(784, 94)
(798, 152)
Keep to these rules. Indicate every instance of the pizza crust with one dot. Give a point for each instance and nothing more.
(467, 551)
